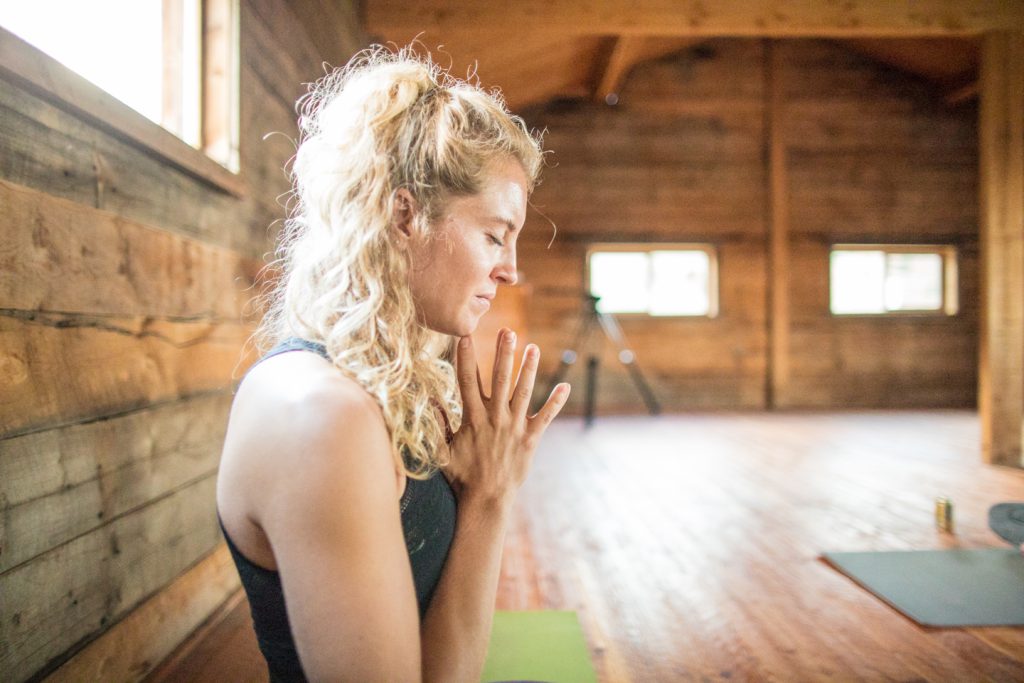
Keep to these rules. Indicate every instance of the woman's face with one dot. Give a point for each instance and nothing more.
(457, 267)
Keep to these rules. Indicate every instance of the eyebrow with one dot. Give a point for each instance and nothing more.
(510, 226)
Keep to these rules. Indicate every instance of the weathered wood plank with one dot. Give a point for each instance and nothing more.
(59, 484)
(57, 255)
(77, 590)
(132, 647)
(1001, 159)
(52, 151)
(271, 82)
(61, 370)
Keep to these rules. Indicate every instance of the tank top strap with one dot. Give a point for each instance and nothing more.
(295, 344)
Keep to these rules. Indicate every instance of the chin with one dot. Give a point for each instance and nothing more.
(465, 330)
(462, 328)
(468, 326)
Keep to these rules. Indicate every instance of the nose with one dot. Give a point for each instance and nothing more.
(505, 272)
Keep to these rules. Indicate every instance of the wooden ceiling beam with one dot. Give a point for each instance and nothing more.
(628, 51)
(617, 64)
(768, 18)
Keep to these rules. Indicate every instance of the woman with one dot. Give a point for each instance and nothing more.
(367, 532)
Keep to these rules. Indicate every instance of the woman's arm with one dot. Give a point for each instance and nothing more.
(330, 511)
(491, 455)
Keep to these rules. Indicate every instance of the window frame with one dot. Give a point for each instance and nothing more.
(646, 247)
(950, 279)
(28, 67)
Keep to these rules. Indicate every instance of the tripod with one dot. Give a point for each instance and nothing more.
(613, 332)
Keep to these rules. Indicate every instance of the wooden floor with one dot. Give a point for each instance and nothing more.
(689, 545)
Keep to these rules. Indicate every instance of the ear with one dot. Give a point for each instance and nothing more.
(405, 209)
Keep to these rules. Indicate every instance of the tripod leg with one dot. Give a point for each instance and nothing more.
(591, 392)
(628, 358)
(641, 384)
(568, 358)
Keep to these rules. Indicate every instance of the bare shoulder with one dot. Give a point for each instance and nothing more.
(296, 398)
(290, 381)
(297, 424)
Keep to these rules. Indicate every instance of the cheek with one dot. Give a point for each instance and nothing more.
(470, 261)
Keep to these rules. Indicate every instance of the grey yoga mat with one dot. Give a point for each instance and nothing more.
(1007, 520)
(943, 587)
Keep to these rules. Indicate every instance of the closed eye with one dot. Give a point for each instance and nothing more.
(495, 240)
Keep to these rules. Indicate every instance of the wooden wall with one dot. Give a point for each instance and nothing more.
(870, 155)
(123, 282)
(874, 156)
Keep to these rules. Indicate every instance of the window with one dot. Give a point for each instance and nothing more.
(657, 280)
(888, 279)
(173, 61)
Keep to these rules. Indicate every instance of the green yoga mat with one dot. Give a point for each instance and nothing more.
(943, 587)
(538, 646)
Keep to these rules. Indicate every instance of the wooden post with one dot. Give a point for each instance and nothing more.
(1001, 182)
(220, 84)
(778, 233)
(172, 116)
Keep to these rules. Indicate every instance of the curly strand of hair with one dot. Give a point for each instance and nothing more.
(387, 120)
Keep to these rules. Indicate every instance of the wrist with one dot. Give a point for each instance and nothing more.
(487, 506)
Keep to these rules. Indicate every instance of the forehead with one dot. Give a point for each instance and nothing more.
(503, 194)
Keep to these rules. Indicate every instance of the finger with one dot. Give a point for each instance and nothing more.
(551, 408)
(472, 405)
(524, 383)
(480, 387)
(501, 378)
(486, 394)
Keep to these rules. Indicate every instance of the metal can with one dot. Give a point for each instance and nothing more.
(944, 514)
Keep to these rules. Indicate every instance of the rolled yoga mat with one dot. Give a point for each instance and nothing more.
(944, 588)
(543, 646)
(1007, 520)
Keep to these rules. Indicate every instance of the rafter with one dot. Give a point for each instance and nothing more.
(774, 18)
(628, 51)
(617, 64)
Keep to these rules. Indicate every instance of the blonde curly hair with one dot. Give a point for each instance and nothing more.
(385, 121)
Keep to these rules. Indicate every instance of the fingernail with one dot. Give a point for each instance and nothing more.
(511, 337)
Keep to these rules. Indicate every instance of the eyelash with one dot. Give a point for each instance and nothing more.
(496, 241)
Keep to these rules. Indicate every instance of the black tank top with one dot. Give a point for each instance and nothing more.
(428, 513)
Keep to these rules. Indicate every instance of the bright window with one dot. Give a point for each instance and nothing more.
(885, 279)
(151, 55)
(661, 280)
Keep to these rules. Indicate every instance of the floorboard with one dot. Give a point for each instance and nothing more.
(689, 546)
